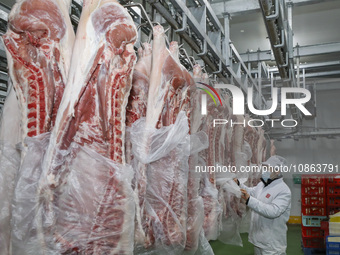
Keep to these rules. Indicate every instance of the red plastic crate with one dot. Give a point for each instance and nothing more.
(315, 201)
(314, 211)
(333, 189)
(313, 180)
(333, 179)
(312, 190)
(312, 232)
(325, 228)
(313, 242)
(332, 210)
(333, 200)
(324, 225)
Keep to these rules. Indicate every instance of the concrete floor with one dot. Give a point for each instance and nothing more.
(293, 248)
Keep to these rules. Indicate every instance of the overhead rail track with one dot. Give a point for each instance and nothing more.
(277, 18)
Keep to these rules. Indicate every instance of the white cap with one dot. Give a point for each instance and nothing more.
(275, 161)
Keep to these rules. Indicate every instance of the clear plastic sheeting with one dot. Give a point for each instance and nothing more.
(150, 144)
(231, 187)
(252, 180)
(230, 233)
(195, 218)
(233, 210)
(194, 224)
(9, 165)
(164, 209)
(96, 207)
(255, 177)
(212, 208)
(27, 232)
(204, 247)
(92, 212)
(245, 222)
(198, 142)
(241, 159)
(172, 210)
(246, 148)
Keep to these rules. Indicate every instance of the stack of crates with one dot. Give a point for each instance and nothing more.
(333, 245)
(314, 210)
(333, 241)
(333, 194)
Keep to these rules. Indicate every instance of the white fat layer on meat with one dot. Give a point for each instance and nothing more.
(67, 41)
(174, 50)
(129, 48)
(147, 58)
(197, 72)
(51, 179)
(156, 92)
(10, 123)
(20, 97)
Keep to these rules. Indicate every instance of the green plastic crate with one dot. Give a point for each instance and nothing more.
(297, 178)
(312, 221)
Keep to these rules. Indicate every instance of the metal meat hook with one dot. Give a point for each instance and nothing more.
(149, 22)
(167, 37)
(142, 9)
(219, 68)
(187, 57)
(150, 35)
(193, 60)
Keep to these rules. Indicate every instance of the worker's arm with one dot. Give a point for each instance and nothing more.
(273, 209)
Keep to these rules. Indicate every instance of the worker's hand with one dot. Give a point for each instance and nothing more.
(245, 194)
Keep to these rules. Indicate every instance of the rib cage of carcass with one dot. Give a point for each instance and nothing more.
(109, 143)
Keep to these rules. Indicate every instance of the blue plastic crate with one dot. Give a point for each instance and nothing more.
(333, 252)
(332, 248)
(314, 251)
(312, 221)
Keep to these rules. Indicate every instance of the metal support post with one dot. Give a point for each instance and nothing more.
(226, 45)
(259, 82)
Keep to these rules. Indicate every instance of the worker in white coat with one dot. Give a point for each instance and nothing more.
(270, 202)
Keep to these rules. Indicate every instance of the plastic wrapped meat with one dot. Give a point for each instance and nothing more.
(93, 213)
(208, 188)
(38, 49)
(95, 210)
(165, 209)
(233, 209)
(10, 136)
(9, 165)
(93, 108)
(168, 103)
